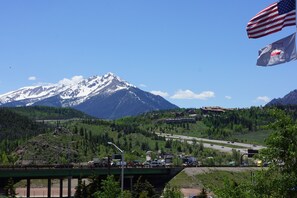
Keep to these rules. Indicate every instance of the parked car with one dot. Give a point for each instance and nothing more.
(189, 161)
(157, 163)
(119, 163)
(146, 164)
(168, 161)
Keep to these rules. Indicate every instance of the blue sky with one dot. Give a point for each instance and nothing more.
(195, 53)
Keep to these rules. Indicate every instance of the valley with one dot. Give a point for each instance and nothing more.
(64, 137)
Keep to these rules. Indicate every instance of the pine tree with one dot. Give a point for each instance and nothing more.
(10, 189)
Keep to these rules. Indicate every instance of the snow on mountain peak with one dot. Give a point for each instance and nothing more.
(72, 81)
(77, 89)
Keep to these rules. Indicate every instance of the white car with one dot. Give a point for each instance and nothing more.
(119, 163)
(157, 163)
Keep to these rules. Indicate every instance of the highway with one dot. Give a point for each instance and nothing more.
(221, 145)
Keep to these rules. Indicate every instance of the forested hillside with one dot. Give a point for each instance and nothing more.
(228, 124)
(82, 140)
(49, 113)
(15, 130)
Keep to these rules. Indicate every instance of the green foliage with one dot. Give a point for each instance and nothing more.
(143, 194)
(232, 189)
(280, 179)
(282, 144)
(15, 129)
(215, 179)
(14, 126)
(109, 189)
(127, 194)
(143, 188)
(4, 159)
(49, 113)
(135, 135)
(271, 183)
(231, 124)
(10, 189)
(281, 152)
(172, 192)
(78, 190)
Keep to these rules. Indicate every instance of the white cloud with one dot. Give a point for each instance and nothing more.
(32, 78)
(142, 85)
(160, 93)
(263, 99)
(228, 97)
(73, 80)
(188, 94)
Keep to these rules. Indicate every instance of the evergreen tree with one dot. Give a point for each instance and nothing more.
(156, 146)
(143, 188)
(10, 189)
(110, 188)
(84, 189)
(4, 159)
(78, 192)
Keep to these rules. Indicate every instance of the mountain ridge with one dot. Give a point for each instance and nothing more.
(106, 97)
(288, 99)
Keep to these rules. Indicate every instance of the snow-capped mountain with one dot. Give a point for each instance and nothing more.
(106, 97)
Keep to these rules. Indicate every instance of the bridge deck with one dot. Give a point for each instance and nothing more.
(35, 173)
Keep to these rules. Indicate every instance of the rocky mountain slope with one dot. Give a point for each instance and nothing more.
(106, 97)
(289, 99)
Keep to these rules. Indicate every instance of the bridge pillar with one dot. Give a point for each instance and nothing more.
(69, 187)
(61, 187)
(28, 187)
(49, 187)
(3, 183)
(131, 182)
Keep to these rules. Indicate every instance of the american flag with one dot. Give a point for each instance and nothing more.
(272, 19)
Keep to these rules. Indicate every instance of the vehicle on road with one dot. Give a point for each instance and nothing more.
(157, 163)
(190, 161)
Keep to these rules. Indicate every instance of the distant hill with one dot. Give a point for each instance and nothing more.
(14, 126)
(49, 113)
(289, 99)
(105, 97)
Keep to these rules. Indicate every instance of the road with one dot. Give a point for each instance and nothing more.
(221, 145)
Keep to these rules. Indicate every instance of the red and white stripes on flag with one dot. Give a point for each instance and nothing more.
(272, 19)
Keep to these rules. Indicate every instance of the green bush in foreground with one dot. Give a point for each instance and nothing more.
(280, 179)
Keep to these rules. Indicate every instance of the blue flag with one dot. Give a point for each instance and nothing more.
(281, 51)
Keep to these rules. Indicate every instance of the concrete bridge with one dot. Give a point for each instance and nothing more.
(157, 176)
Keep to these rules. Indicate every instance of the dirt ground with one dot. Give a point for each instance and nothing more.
(55, 192)
(190, 191)
(42, 192)
(38, 189)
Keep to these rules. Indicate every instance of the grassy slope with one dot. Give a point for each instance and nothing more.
(210, 179)
(258, 137)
